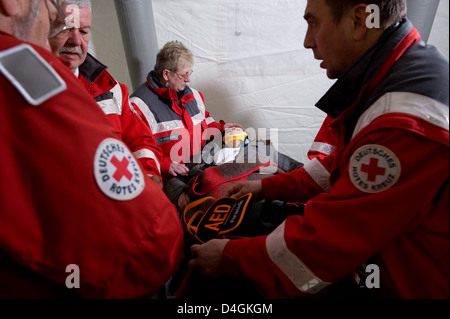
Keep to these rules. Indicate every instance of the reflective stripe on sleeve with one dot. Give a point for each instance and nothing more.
(323, 148)
(297, 272)
(414, 104)
(145, 153)
(209, 120)
(200, 104)
(319, 174)
(197, 119)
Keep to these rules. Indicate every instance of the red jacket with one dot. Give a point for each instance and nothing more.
(179, 121)
(73, 194)
(314, 177)
(387, 200)
(129, 122)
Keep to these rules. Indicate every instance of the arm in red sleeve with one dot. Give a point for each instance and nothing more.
(311, 179)
(239, 261)
(302, 184)
(295, 186)
(346, 227)
(137, 135)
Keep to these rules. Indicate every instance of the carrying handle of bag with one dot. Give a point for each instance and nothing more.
(201, 193)
(193, 229)
(189, 220)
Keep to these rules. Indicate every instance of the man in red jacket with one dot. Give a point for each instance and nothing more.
(72, 45)
(378, 199)
(78, 215)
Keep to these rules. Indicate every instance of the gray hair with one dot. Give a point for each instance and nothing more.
(173, 56)
(24, 25)
(79, 3)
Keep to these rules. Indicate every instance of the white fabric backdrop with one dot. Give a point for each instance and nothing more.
(251, 65)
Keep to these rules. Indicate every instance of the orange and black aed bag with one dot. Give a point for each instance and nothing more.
(209, 218)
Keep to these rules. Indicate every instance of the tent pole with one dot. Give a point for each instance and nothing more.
(137, 26)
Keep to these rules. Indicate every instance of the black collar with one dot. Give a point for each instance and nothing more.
(92, 68)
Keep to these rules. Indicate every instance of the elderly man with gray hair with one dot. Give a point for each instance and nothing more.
(70, 41)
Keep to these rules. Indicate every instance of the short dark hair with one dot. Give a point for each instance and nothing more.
(391, 11)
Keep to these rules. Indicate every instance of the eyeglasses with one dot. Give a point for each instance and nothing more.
(185, 76)
(63, 28)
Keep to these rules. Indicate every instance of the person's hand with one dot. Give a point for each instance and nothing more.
(178, 169)
(241, 188)
(183, 200)
(157, 180)
(207, 258)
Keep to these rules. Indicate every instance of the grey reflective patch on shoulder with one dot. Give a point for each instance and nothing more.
(167, 138)
(30, 74)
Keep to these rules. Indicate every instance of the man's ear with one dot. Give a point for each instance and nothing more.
(9, 8)
(360, 17)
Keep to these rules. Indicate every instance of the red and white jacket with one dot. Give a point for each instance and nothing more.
(314, 177)
(382, 193)
(131, 126)
(74, 195)
(179, 121)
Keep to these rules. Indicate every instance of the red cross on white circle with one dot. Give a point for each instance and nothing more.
(373, 170)
(122, 169)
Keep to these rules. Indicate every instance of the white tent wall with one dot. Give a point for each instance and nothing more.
(250, 63)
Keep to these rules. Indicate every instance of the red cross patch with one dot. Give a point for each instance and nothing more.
(117, 171)
(374, 168)
(122, 169)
